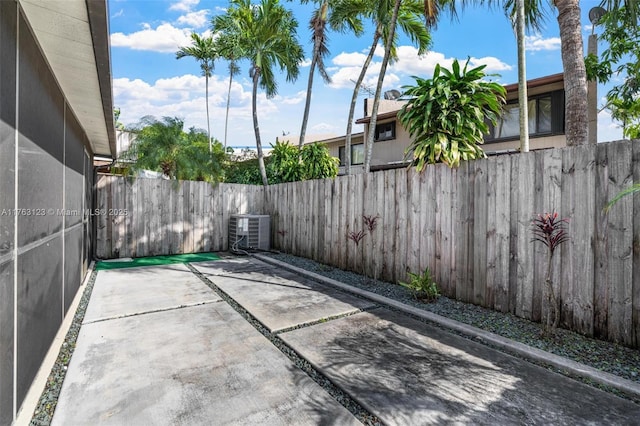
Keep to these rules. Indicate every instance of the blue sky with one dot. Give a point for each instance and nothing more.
(148, 80)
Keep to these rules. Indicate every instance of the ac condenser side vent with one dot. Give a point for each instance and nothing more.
(249, 232)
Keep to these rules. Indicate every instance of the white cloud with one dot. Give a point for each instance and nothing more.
(165, 38)
(294, 99)
(194, 19)
(349, 59)
(305, 63)
(184, 5)
(118, 14)
(536, 43)
(608, 129)
(411, 63)
(184, 97)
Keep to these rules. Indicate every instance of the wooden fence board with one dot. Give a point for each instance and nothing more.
(525, 208)
(402, 199)
(479, 233)
(620, 247)
(635, 342)
(388, 245)
(601, 269)
(416, 236)
(583, 229)
(503, 234)
(551, 201)
(427, 212)
(491, 240)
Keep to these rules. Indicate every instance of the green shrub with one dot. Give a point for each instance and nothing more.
(422, 286)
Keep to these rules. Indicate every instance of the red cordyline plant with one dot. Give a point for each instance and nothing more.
(551, 231)
(356, 237)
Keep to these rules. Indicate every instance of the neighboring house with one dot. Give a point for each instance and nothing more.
(546, 127)
(56, 114)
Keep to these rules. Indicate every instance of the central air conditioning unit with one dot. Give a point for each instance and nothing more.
(249, 231)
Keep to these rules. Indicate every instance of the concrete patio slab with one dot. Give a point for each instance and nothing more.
(122, 292)
(281, 299)
(410, 373)
(196, 365)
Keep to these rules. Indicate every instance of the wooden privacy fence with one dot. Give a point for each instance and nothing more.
(471, 227)
(148, 217)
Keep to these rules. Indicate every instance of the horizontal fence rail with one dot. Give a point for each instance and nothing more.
(471, 226)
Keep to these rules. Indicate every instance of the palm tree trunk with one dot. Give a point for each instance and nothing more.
(354, 99)
(256, 128)
(575, 74)
(376, 101)
(522, 80)
(226, 118)
(307, 103)
(206, 85)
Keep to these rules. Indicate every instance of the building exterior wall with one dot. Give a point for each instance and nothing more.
(45, 166)
(391, 152)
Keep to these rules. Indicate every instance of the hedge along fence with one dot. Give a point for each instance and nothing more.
(471, 227)
(148, 217)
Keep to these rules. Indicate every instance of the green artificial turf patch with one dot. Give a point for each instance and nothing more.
(156, 260)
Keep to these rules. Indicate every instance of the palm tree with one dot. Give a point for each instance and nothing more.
(227, 44)
(267, 37)
(164, 146)
(380, 13)
(318, 25)
(203, 51)
(405, 14)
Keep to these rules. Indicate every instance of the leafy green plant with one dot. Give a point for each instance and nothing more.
(317, 162)
(449, 114)
(422, 286)
(550, 231)
(631, 190)
(284, 163)
(165, 147)
(620, 59)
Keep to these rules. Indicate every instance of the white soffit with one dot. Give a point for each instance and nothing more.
(63, 31)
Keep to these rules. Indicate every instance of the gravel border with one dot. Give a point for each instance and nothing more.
(609, 366)
(48, 401)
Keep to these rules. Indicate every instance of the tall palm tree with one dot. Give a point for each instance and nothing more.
(267, 36)
(227, 44)
(322, 16)
(575, 72)
(203, 51)
(388, 14)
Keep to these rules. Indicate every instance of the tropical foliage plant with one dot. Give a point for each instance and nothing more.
(164, 146)
(422, 286)
(448, 115)
(551, 231)
(287, 163)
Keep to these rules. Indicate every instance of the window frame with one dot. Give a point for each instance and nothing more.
(556, 117)
(388, 138)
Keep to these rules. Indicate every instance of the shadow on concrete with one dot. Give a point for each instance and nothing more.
(408, 372)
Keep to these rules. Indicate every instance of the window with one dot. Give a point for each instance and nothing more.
(357, 154)
(385, 131)
(546, 116)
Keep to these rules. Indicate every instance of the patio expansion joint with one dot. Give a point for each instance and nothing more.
(341, 396)
(323, 320)
(153, 311)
